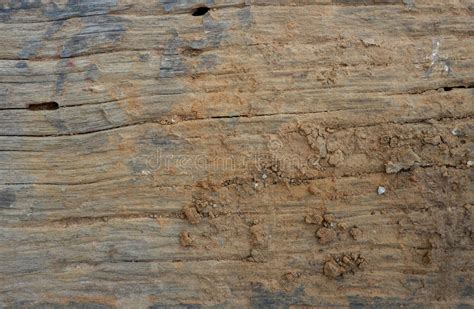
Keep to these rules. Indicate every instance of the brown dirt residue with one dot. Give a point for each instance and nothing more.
(185, 239)
(346, 263)
(326, 235)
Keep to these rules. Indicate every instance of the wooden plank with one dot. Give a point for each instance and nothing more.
(170, 76)
(265, 154)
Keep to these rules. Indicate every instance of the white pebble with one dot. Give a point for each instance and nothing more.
(380, 190)
(456, 132)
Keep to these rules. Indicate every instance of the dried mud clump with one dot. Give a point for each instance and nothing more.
(329, 229)
(185, 239)
(315, 138)
(329, 220)
(326, 235)
(356, 233)
(326, 151)
(332, 269)
(269, 171)
(346, 263)
(202, 209)
(336, 158)
(192, 215)
(314, 219)
(209, 209)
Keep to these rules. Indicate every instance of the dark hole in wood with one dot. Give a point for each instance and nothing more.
(200, 11)
(47, 106)
(458, 87)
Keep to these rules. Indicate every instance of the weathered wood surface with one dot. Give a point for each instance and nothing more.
(151, 158)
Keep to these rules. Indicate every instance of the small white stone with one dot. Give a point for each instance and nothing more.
(456, 132)
(380, 190)
(264, 176)
(446, 68)
(470, 163)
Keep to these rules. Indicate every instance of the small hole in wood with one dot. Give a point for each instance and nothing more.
(47, 106)
(200, 11)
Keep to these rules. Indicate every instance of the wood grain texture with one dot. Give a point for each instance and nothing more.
(150, 158)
